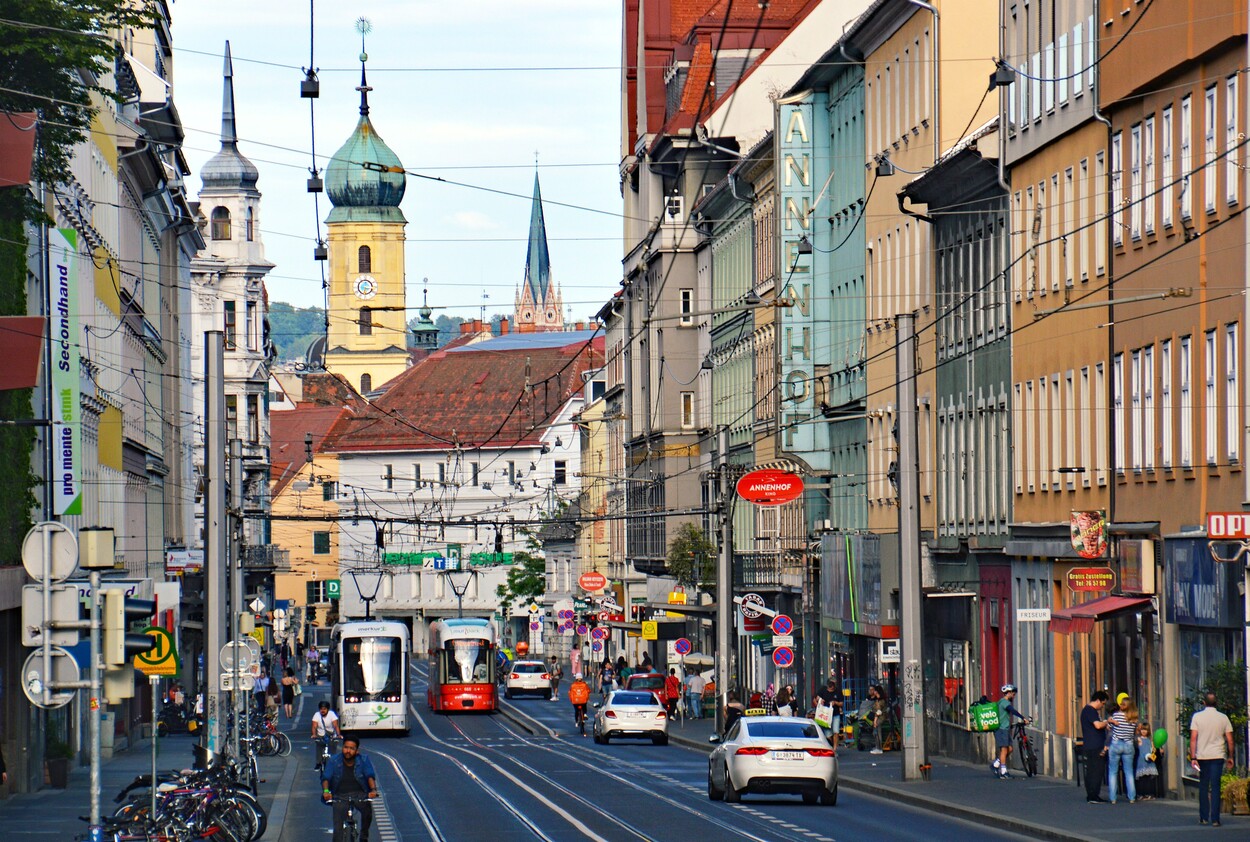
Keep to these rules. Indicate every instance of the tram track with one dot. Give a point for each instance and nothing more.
(581, 757)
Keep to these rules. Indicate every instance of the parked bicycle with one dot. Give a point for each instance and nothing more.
(1028, 757)
(189, 805)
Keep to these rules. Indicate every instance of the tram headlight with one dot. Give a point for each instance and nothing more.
(392, 699)
(351, 700)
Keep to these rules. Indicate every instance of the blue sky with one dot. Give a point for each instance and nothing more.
(462, 91)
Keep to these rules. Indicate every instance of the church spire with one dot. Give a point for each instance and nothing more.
(537, 258)
(364, 27)
(229, 135)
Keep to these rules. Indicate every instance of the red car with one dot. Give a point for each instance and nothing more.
(653, 682)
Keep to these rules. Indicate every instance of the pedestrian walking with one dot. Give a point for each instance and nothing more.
(556, 674)
(1210, 750)
(672, 692)
(733, 711)
(1121, 751)
(607, 679)
(1146, 771)
(290, 688)
(695, 685)
(783, 702)
(1094, 746)
(769, 700)
(831, 696)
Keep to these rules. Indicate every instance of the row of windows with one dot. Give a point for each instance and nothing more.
(1058, 73)
(1168, 185)
(973, 446)
(1058, 226)
(898, 92)
(220, 224)
(1060, 433)
(1155, 428)
(560, 475)
(252, 422)
(251, 325)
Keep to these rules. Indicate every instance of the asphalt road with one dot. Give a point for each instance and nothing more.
(475, 776)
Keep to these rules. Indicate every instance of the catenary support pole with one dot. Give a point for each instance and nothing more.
(235, 609)
(215, 579)
(93, 714)
(912, 692)
(155, 681)
(724, 579)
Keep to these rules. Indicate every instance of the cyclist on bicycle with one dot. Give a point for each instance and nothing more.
(349, 776)
(1002, 737)
(579, 695)
(325, 724)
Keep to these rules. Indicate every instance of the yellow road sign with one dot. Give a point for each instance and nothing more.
(161, 660)
(259, 634)
(650, 630)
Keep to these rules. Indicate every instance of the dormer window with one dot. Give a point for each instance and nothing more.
(221, 223)
(364, 259)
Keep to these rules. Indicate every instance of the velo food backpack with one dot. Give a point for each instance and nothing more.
(984, 715)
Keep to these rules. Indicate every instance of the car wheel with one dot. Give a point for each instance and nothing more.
(811, 797)
(660, 739)
(732, 796)
(595, 736)
(606, 739)
(507, 694)
(713, 794)
(830, 797)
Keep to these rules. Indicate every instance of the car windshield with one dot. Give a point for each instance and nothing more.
(633, 699)
(646, 682)
(785, 730)
(528, 668)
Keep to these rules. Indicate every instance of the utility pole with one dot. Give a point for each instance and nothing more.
(236, 588)
(724, 578)
(912, 698)
(215, 578)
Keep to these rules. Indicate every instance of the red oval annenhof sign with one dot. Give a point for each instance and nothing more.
(592, 581)
(770, 488)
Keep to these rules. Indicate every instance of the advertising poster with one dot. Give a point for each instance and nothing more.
(1089, 534)
(66, 408)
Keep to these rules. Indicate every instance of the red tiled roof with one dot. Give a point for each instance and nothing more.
(475, 396)
(287, 428)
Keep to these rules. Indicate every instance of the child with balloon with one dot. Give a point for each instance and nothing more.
(1149, 758)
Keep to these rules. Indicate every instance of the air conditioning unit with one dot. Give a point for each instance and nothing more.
(674, 209)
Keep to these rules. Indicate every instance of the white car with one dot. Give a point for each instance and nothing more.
(527, 677)
(773, 755)
(630, 713)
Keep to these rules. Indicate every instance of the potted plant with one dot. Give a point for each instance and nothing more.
(1234, 788)
(59, 757)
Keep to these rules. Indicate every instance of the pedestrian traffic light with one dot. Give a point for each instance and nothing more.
(120, 645)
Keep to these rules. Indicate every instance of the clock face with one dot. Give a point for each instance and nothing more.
(365, 287)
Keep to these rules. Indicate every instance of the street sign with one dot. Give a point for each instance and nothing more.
(597, 646)
(1032, 615)
(64, 671)
(888, 651)
(534, 626)
(592, 581)
(237, 655)
(256, 605)
(246, 681)
(782, 624)
(583, 629)
(163, 659)
(783, 640)
(64, 607)
(334, 588)
(1224, 526)
(783, 656)
(1091, 579)
(650, 630)
(752, 605)
(682, 646)
(598, 633)
(63, 559)
(769, 487)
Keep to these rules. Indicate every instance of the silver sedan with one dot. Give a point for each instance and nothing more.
(773, 755)
(630, 713)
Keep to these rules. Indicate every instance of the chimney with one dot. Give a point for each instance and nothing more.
(503, 326)
(581, 325)
(466, 328)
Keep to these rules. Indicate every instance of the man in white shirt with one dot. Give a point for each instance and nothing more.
(325, 724)
(1211, 747)
(695, 685)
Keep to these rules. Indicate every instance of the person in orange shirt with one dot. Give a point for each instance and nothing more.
(579, 695)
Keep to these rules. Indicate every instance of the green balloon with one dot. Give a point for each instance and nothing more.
(1160, 738)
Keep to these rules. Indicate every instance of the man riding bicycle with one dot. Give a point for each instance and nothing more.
(349, 777)
(579, 695)
(325, 724)
(1002, 737)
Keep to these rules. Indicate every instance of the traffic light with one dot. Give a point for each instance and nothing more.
(120, 645)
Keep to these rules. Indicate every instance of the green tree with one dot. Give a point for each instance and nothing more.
(293, 329)
(52, 54)
(692, 557)
(527, 580)
(1227, 680)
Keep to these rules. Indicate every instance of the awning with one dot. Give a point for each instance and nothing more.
(1081, 618)
(677, 608)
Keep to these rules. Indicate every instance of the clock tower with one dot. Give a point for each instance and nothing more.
(366, 340)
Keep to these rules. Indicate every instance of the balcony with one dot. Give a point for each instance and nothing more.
(269, 557)
(768, 571)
